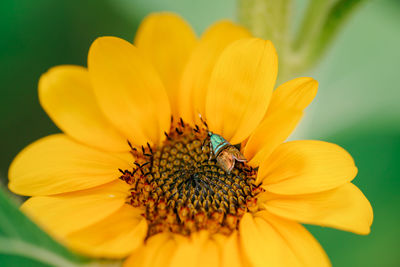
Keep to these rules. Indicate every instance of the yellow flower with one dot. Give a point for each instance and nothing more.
(160, 201)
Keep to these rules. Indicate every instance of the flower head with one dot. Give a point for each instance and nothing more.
(138, 173)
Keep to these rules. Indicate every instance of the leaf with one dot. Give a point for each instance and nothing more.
(22, 242)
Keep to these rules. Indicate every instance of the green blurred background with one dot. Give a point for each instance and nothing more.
(357, 105)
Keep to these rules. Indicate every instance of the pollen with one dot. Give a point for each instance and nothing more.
(182, 189)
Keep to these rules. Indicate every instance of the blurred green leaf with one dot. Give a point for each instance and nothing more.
(22, 242)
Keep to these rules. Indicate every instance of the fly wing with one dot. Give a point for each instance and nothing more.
(236, 154)
(226, 161)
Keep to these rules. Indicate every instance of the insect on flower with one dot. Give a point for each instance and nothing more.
(223, 151)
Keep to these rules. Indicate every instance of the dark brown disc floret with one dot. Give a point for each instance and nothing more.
(182, 190)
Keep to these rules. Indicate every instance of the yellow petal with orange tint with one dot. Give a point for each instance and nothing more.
(114, 237)
(240, 88)
(167, 40)
(272, 131)
(231, 255)
(165, 253)
(66, 95)
(269, 241)
(295, 94)
(196, 76)
(306, 166)
(210, 254)
(186, 254)
(284, 112)
(305, 247)
(200, 250)
(129, 90)
(64, 213)
(57, 164)
(345, 208)
(262, 244)
(157, 251)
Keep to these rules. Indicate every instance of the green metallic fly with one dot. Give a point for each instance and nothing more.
(225, 153)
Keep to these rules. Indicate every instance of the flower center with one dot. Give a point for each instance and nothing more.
(182, 190)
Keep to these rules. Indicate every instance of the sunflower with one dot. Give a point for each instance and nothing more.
(135, 173)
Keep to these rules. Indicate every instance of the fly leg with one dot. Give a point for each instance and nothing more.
(210, 152)
(204, 142)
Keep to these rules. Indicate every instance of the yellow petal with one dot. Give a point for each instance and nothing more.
(167, 40)
(272, 131)
(284, 112)
(56, 164)
(210, 254)
(230, 250)
(129, 90)
(114, 237)
(65, 93)
(164, 255)
(197, 73)
(307, 166)
(305, 247)
(295, 94)
(200, 250)
(262, 245)
(157, 251)
(345, 208)
(275, 242)
(240, 88)
(64, 213)
(185, 255)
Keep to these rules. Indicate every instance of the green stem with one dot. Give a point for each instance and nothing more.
(268, 20)
(313, 21)
(336, 19)
(320, 26)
